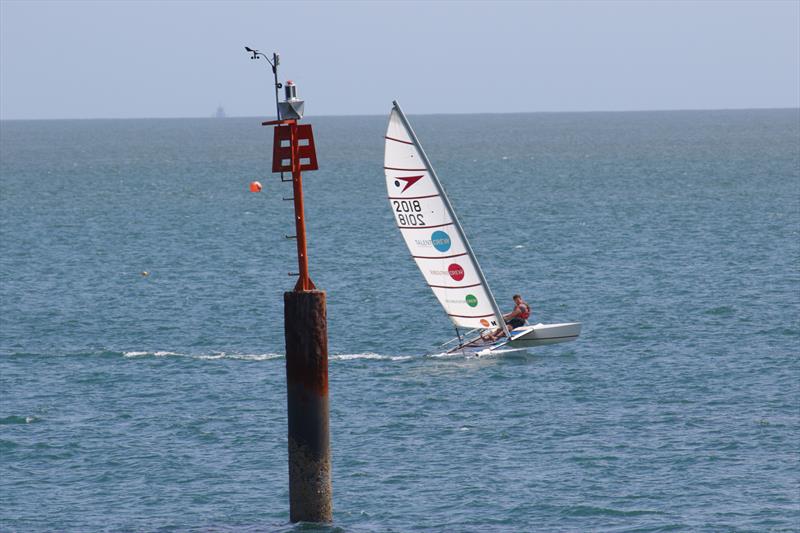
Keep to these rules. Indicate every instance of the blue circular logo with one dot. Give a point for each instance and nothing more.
(441, 241)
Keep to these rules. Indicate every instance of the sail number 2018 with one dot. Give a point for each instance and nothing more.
(408, 212)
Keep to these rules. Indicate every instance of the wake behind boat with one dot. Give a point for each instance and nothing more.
(437, 243)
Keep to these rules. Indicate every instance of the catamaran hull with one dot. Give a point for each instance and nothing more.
(542, 334)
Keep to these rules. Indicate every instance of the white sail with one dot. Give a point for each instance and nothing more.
(432, 232)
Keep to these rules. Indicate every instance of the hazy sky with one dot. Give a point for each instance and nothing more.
(183, 58)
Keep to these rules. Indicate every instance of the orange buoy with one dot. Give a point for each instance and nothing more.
(255, 186)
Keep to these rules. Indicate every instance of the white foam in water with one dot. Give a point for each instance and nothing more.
(249, 357)
(369, 355)
(141, 354)
(445, 354)
(208, 357)
(211, 356)
(265, 356)
(156, 354)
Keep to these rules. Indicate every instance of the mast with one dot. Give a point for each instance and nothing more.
(456, 223)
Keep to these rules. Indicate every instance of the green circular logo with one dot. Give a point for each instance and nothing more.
(471, 300)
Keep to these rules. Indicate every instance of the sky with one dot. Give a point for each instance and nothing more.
(119, 59)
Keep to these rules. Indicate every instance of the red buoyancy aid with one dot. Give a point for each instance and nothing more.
(526, 313)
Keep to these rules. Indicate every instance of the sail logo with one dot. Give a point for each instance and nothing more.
(409, 181)
(456, 272)
(441, 241)
(484, 323)
(471, 300)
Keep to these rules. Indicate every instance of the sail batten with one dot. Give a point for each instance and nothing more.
(431, 230)
(398, 140)
(426, 227)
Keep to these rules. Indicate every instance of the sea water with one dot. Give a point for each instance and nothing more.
(156, 402)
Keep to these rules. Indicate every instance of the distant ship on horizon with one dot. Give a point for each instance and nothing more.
(220, 112)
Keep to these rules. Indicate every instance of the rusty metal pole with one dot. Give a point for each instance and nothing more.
(306, 330)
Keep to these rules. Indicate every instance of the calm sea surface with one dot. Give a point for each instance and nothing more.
(132, 403)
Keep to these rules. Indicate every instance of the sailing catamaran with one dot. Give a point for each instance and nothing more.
(437, 243)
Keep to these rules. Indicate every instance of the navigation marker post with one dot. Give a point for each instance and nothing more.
(305, 327)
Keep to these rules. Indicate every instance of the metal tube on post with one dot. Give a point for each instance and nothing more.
(306, 333)
(276, 59)
(304, 282)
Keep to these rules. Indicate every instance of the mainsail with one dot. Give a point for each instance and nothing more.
(432, 232)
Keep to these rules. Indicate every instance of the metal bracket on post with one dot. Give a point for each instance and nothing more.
(293, 150)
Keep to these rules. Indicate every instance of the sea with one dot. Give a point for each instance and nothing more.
(142, 369)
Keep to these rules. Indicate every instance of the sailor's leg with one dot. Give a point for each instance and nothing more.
(497, 334)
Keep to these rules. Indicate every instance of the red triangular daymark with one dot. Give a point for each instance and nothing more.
(410, 180)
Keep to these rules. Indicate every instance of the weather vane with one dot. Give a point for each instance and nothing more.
(276, 60)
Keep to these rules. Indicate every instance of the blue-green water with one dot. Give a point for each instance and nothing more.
(158, 403)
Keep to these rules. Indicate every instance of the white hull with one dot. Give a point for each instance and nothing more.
(541, 334)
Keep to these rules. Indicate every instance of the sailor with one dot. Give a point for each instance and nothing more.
(515, 318)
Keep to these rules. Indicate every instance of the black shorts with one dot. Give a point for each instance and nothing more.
(515, 322)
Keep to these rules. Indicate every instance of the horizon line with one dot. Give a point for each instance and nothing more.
(686, 109)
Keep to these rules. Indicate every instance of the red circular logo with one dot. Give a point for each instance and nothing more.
(456, 272)
(484, 322)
